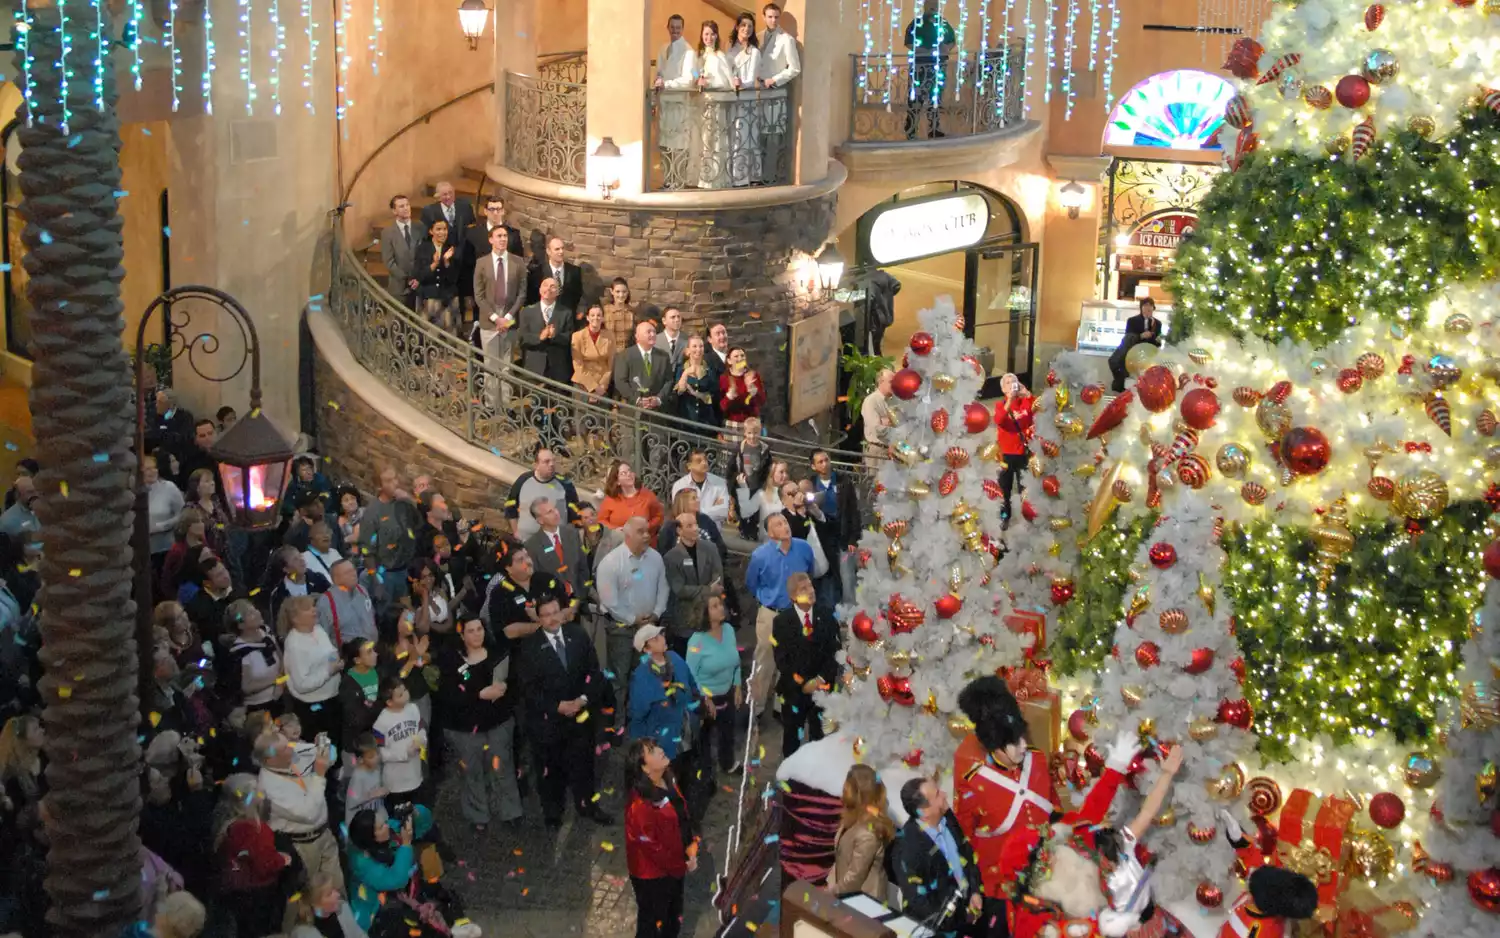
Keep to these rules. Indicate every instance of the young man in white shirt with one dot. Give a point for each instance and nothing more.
(713, 491)
(676, 71)
(779, 65)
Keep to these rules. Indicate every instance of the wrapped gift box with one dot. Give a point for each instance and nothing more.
(1310, 836)
(1041, 707)
(1026, 622)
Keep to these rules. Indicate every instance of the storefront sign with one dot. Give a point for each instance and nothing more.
(1164, 231)
(934, 226)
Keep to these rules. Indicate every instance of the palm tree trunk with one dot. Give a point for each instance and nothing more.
(81, 404)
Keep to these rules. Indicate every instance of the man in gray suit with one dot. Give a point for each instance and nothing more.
(398, 245)
(643, 372)
(499, 287)
(547, 336)
(672, 339)
(556, 548)
(694, 573)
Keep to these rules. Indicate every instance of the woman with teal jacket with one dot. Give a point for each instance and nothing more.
(381, 858)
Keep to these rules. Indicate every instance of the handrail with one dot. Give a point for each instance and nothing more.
(422, 119)
(918, 96)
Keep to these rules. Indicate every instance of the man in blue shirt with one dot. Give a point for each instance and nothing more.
(933, 864)
(772, 562)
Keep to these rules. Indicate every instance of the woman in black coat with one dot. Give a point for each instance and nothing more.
(437, 264)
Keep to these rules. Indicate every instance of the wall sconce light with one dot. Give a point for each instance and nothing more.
(607, 156)
(830, 267)
(1072, 196)
(472, 15)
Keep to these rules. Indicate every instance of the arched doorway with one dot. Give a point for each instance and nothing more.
(948, 238)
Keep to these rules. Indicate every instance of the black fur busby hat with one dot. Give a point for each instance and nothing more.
(996, 716)
(1281, 893)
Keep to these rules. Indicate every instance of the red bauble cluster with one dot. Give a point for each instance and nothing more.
(921, 342)
(895, 690)
(1162, 555)
(906, 384)
(948, 606)
(1387, 810)
(1492, 559)
(1305, 450)
(1237, 668)
(1202, 660)
(1484, 889)
(913, 758)
(1200, 407)
(864, 628)
(976, 417)
(1236, 713)
(1156, 388)
(1061, 593)
(1147, 654)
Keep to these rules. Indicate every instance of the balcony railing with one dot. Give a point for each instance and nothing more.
(498, 406)
(545, 135)
(718, 139)
(912, 97)
(564, 66)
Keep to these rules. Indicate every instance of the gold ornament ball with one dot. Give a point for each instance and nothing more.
(1335, 144)
(1146, 728)
(1492, 456)
(1203, 729)
(1421, 125)
(898, 660)
(1273, 419)
(1371, 856)
(1167, 818)
(959, 727)
(1054, 549)
(1458, 324)
(1132, 695)
(1421, 770)
(930, 707)
(1232, 460)
(1140, 357)
(1421, 495)
(1059, 524)
(1070, 424)
(943, 382)
(1174, 621)
(918, 490)
(1228, 784)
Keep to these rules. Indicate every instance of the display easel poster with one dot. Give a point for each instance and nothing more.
(814, 366)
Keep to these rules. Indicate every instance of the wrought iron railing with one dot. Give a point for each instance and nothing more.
(564, 66)
(545, 135)
(921, 97)
(719, 139)
(494, 404)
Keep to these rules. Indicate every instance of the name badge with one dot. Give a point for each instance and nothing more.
(520, 600)
(688, 562)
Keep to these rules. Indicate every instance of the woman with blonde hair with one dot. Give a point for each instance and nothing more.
(322, 900)
(314, 668)
(865, 831)
(179, 915)
(21, 761)
(756, 507)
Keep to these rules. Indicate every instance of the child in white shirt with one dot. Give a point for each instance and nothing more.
(365, 787)
(403, 744)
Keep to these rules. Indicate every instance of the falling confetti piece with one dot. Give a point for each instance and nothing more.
(606, 846)
(75, 572)
(166, 230)
(101, 895)
(101, 457)
(63, 487)
(46, 238)
(65, 692)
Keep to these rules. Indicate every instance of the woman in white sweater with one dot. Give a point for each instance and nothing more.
(164, 503)
(313, 668)
(257, 656)
(762, 504)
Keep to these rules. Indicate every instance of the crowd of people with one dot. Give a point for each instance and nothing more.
(312, 686)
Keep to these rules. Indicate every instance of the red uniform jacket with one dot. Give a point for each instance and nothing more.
(1013, 423)
(653, 839)
(1245, 922)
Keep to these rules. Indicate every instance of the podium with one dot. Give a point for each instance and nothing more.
(809, 911)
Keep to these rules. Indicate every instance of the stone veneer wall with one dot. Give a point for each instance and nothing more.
(358, 442)
(731, 266)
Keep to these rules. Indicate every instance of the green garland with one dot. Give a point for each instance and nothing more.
(1301, 247)
(1379, 649)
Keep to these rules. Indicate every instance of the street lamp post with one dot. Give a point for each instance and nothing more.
(252, 457)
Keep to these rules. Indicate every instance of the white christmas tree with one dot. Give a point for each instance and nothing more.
(1466, 844)
(925, 619)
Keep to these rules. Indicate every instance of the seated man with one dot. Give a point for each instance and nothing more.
(1142, 328)
(932, 862)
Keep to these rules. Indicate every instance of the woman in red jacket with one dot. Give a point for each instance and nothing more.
(1013, 421)
(249, 863)
(660, 848)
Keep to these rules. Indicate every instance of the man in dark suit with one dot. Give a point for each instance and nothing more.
(564, 692)
(458, 214)
(716, 357)
(805, 641)
(556, 548)
(547, 336)
(933, 864)
(838, 532)
(1142, 328)
(398, 246)
(569, 278)
(643, 372)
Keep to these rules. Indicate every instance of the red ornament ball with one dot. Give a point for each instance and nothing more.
(1162, 555)
(1236, 713)
(1492, 559)
(948, 606)
(1387, 810)
(906, 384)
(1280, 391)
(1199, 408)
(1051, 486)
(921, 342)
(938, 421)
(947, 483)
(1305, 450)
(1484, 889)
(1156, 388)
(1202, 660)
(1093, 759)
(992, 489)
(1028, 510)
(895, 690)
(1350, 380)
(1147, 654)
(1091, 394)
(1061, 593)
(864, 628)
(1464, 4)
(1052, 378)
(1209, 896)
(1078, 724)
(1352, 91)
(913, 758)
(976, 417)
(1237, 668)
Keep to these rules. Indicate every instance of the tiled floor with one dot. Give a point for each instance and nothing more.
(574, 881)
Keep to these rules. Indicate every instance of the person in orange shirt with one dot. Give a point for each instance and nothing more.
(1014, 426)
(626, 498)
(1005, 801)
